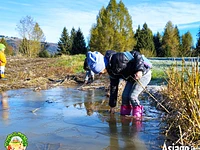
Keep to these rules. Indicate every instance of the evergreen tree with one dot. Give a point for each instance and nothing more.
(145, 43)
(8, 51)
(24, 47)
(64, 43)
(137, 34)
(113, 29)
(158, 44)
(170, 41)
(186, 44)
(37, 33)
(79, 45)
(72, 36)
(197, 50)
(102, 34)
(123, 35)
(44, 52)
(177, 42)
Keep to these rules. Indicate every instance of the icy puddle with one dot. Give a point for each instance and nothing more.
(69, 119)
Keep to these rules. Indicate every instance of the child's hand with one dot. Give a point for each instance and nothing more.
(138, 75)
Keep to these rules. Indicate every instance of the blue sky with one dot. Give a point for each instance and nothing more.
(53, 16)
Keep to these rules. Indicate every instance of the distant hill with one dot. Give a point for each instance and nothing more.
(14, 43)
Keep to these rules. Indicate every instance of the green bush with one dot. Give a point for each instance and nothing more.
(44, 54)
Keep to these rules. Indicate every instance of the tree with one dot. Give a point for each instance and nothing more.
(157, 39)
(24, 47)
(101, 34)
(64, 43)
(72, 36)
(25, 27)
(178, 41)
(186, 44)
(145, 43)
(197, 50)
(113, 29)
(170, 41)
(32, 35)
(37, 33)
(79, 45)
(44, 52)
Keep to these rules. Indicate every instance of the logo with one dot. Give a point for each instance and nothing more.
(176, 147)
(16, 141)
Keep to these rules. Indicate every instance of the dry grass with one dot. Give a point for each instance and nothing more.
(183, 101)
(34, 72)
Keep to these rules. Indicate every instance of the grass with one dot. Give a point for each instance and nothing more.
(74, 63)
(183, 100)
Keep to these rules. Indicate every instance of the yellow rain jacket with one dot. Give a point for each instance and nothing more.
(2, 59)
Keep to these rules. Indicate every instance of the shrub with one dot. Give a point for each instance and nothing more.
(183, 99)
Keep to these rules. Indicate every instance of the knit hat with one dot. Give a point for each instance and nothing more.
(2, 46)
(96, 61)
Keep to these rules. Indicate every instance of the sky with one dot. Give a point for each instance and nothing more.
(53, 16)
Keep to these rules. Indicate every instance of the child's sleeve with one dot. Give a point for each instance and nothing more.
(3, 58)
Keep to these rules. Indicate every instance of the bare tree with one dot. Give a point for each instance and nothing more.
(32, 36)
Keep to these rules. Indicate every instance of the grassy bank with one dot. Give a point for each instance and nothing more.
(73, 63)
(183, 100)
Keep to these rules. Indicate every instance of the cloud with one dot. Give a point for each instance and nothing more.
(190, 25)
(18, 3)
(56, 18)
(156, 15)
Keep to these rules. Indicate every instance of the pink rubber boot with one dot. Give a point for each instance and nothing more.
(137, 111)
(125, 110)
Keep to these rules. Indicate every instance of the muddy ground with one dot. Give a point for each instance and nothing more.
(39, 74)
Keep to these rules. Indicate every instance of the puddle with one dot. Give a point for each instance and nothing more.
(69, 119)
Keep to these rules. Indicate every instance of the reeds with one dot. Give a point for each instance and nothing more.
(183, 101)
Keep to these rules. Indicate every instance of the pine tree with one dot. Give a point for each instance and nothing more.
(170, 41)
(157, 42)
(64, 43)
(137, 35)
(186, 44)
(79, 45)
(177, 42)
(24, 47)
(37, 33)
(72, 36)
(197, 50)
(145, 43)
(102, 34)
(113, 29)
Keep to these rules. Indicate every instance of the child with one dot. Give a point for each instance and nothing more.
(89, 77)
(129, 66)
(2, 61)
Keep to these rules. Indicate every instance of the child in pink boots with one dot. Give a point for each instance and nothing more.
(130, 66)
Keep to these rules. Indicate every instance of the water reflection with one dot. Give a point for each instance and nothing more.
(4, 106)
(124, 133)
(89, 102)
(72, 119)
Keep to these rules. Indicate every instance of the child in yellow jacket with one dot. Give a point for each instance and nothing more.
(2, 60)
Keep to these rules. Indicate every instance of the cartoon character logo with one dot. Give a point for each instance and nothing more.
(16, 141)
